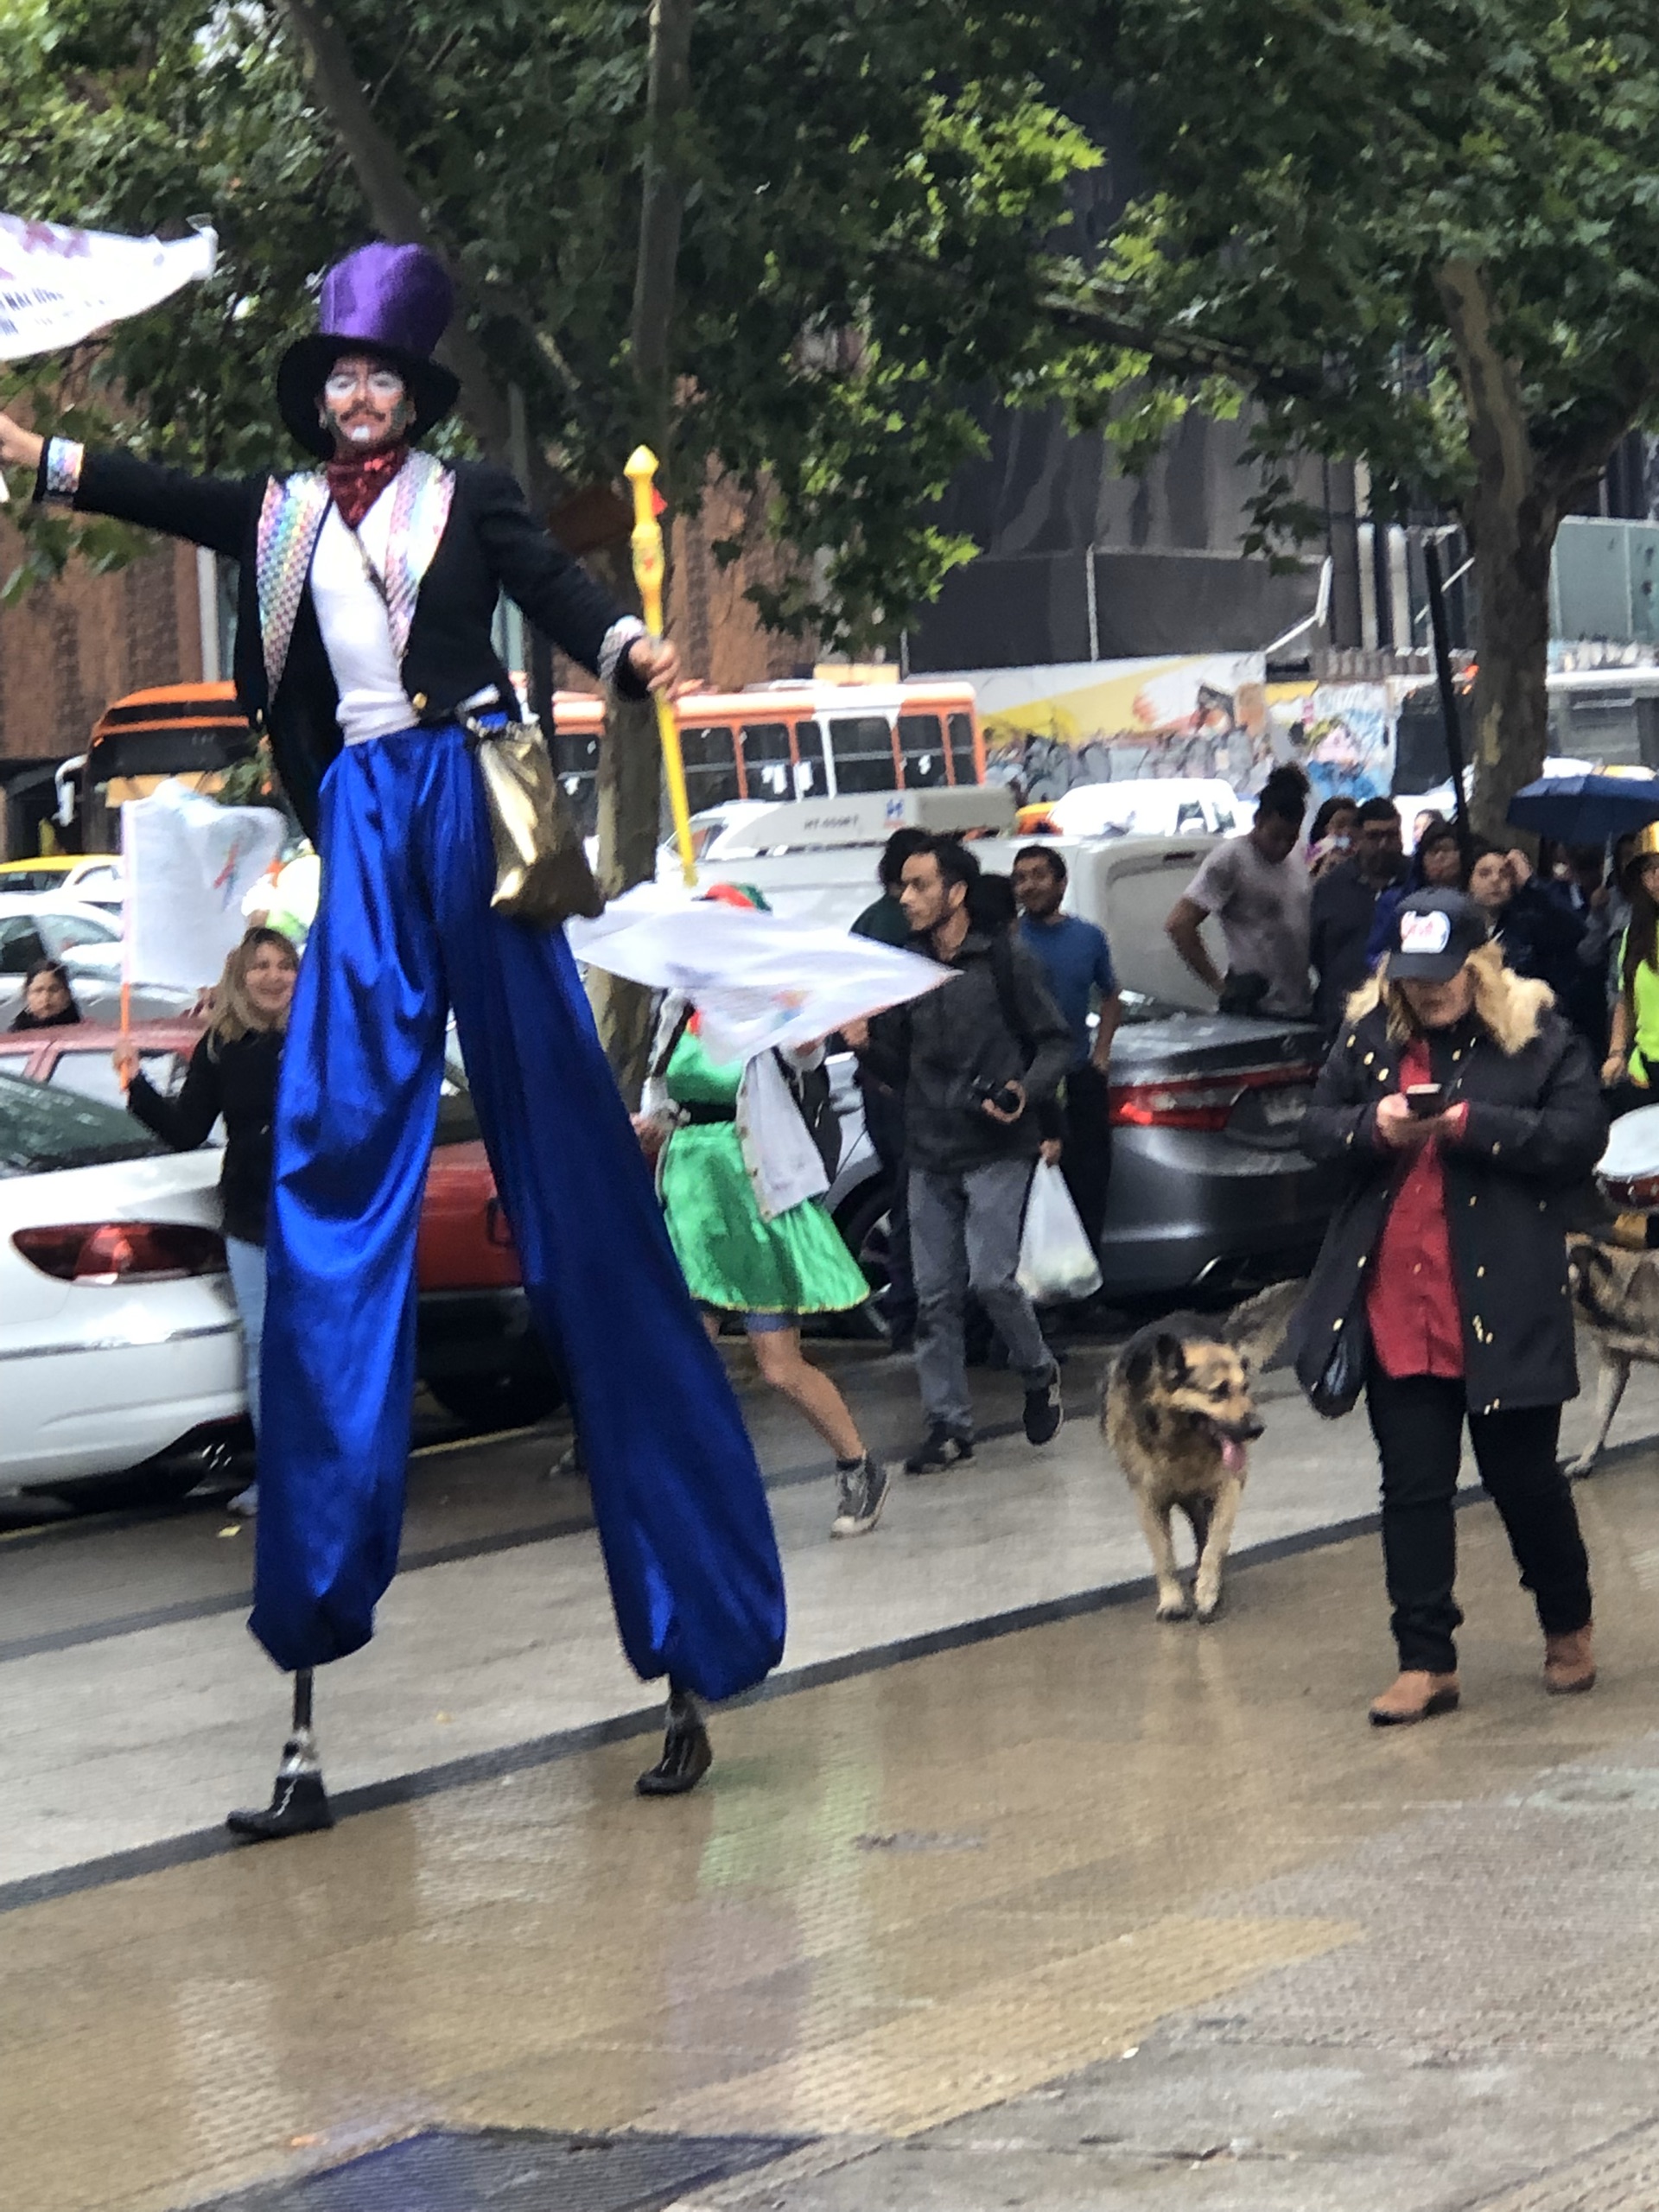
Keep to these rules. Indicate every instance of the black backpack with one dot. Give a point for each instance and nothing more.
(810, 1089)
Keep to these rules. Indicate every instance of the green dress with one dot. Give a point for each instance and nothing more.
(733, 1258)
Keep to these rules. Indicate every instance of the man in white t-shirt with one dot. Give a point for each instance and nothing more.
(1257, 887)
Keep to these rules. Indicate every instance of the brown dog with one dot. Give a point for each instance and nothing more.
(1179, 1415)
(1616, 1292)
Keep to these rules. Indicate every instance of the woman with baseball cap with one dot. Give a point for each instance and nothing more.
(1465, 1110)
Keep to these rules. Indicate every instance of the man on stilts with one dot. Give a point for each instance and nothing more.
(368, 588)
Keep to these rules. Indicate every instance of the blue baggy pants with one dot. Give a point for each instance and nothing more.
(403, 932)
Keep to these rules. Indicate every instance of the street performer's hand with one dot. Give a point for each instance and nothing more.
(656, 662)
(1049, 1152)
(19, 448)
(995, 1112)
(125, 1060)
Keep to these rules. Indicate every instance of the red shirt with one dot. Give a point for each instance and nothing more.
(1411, 1301)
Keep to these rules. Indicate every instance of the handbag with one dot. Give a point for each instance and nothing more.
(1343, 1376)
(541, 873)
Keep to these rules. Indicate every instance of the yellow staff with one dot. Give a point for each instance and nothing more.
(647, 543)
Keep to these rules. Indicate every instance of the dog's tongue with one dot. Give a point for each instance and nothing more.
(1232, 1455)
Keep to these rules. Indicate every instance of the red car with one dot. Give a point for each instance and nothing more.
(475, 1348)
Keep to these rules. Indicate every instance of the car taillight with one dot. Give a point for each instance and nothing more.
(107, 1252)
(1196, 1101)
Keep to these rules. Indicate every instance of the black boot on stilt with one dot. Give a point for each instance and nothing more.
(299, 1804)
(687, 1754)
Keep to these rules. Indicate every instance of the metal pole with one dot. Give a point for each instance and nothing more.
(1448, 695)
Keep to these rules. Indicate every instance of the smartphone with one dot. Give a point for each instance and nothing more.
(1425, 1099)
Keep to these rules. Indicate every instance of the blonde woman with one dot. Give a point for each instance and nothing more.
(232, 1076)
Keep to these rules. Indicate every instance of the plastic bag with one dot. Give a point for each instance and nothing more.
(1056, 1262)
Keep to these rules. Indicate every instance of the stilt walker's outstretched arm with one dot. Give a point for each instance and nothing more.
(299, 1803)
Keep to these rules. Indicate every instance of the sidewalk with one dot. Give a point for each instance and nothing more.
(1091, 1914)
(130, 1739)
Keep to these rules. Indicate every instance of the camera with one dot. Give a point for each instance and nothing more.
(1005, 1097)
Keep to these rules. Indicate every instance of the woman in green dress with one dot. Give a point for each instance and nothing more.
(740, 1178)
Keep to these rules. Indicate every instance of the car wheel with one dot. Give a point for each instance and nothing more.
(516, 1400)
(862, 1222)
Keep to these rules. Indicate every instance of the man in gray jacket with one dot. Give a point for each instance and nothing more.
(974, 1062)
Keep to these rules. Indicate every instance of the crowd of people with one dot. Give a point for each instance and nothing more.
(1305, 922)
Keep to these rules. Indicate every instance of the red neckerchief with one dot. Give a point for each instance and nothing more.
(358, 479)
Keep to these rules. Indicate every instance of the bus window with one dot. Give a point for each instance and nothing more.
(812, 776)
(709, 750)
(863, 746)
(965, 768)
(766, 761)
(922, 743)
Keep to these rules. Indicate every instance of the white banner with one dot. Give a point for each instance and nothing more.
(757, 980)
(188, 865)
(57, 286)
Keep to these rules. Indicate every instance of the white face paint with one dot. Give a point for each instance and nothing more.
(364, 403)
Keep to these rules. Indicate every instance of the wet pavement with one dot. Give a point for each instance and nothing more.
(1006, 1896)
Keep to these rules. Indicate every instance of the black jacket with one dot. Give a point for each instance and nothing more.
(490, 543)
(1535, 1128)
(937, 1047)
(1340, 919)
(237, 1080)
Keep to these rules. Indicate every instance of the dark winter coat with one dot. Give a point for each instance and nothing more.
(490, 543)
(236, 1081)
(1535, 1128)
(938, 1047)
(1340, 916)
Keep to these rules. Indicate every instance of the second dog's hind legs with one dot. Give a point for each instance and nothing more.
(1609, 1389)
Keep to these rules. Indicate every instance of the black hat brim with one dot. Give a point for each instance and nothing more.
(301, 372)
(1425, 967)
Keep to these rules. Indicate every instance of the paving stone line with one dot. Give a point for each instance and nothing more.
(1621, 2177)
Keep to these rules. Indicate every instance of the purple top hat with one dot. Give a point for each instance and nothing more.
(392, 301)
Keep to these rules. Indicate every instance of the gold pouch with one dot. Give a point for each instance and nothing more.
(541, 873)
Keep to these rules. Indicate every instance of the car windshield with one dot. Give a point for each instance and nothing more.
(70, 932)
(41, 1128)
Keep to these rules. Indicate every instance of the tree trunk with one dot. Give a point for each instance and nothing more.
(1511, 516)
(398, 215)
(629, 761)
(662, 209)
(629, 792)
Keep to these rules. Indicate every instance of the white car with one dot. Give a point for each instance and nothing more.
(1150, 806)
(119, 1334)
(88, 942)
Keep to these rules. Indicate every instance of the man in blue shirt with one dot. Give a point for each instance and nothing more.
(1077, 962)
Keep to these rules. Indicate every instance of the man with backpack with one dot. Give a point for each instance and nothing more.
(974, 1062)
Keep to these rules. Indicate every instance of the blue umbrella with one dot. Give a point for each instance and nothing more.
(1586, 810)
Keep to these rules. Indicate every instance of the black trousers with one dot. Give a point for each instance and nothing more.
(1417, 1420)
(1086, 1147)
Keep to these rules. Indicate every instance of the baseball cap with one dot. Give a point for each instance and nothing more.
(1433, 932)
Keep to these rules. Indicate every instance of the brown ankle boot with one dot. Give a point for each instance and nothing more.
(1570, 1662)
(1415, 1694)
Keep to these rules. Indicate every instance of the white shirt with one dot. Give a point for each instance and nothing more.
(356, 631)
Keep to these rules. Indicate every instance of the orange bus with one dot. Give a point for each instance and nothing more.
(802, 740)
